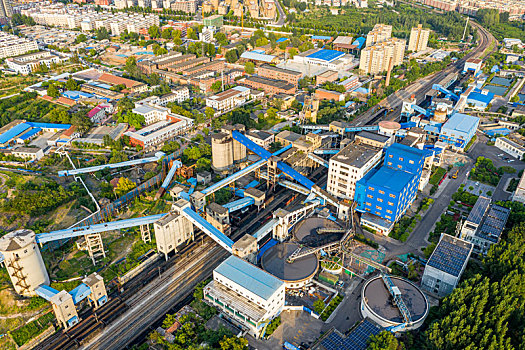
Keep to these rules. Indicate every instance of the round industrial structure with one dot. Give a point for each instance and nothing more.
(388, 128)
(294, 274)
(378, 304)
(221, 150)
(23, 261)
(316, 231)
(440, 114)
(239, 150)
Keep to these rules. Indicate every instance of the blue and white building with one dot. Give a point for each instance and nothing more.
(459, 130)
(247, 295)
(384, 194)
(323, 58)
(479, 99)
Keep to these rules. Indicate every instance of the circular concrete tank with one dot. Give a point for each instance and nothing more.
(221, 151)
(377, 303)
(294, 275)
(23, 261)
(388, 128)
(306, 233)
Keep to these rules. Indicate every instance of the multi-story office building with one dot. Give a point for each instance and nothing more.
(247, 295)
(380, 33)
(12, 45)
(384, 194)
(349, 166)
(31, 62)
(5, 11)
(269, 86)
(228, 99)
(376, 58)
(418, 39)
(484, 225)
(187, 6)
(272, 72)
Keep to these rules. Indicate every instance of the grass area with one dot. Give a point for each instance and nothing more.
(471, 142)
(331, 307)
(403, 228)
(332, 264)
(276, 322)
(437, 175)
(10, 85)
(30, 330)
(361, 238)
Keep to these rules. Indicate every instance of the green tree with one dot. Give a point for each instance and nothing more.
(124, 186)
(154, 31)
(221, 38)
(292, 52)
(233, 343)
(52, 91)
(231, 56)
(319, 306)
(80, 38)
(249, 67)
(209, 112)
(102, 33)
(166, 33)
(71, 84)
(384, 341)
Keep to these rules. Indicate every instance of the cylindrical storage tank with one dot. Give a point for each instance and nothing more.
(23, 261)
(388, 128)
(440, 115)
(239, 151)
(221, 151)
(377, 303)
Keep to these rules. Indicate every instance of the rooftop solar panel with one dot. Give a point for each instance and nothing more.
(449, 257)
(479, 210)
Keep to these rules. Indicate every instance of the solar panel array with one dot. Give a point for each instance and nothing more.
(479, 210)
(449, 257)
(494, 223)
(356, 340)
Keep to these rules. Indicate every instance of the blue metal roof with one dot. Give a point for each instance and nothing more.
(500, 131)
(13, 132)
(28, 134)
(476, 96)
(49, 125)
(321, 37)
(46, 292)
(282, 40)
(404, 150)
(80, 293)
(394, 180)
(326, 55)
(431, 128)
(461, 123)
(250, 277)
(359, 42)
(256, 56)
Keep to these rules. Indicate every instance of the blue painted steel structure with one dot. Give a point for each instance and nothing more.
(318, 159)
(265, 229)
(92, 169)
(219, 237)
(217, 186)
(448, 93)
(80, 293)
(239, 204)
(326, 151)
(46, 292)
(408, 125)
(97, 228)
(282, 150)
(362, 128)
(176, 164)
(295, 187)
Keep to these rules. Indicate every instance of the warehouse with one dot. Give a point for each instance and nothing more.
(459, 130)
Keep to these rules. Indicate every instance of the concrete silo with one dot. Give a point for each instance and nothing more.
(239, 151)
(221, 151)
(23, 261)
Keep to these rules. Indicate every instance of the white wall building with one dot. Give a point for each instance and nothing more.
(12, 45)
(228, 99)
(519, 194)
(446, 265)
(511, 147)
(28, 63)
(418, 39)
(173, 229)
(246, 294)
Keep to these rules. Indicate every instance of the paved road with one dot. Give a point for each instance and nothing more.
(282, 15)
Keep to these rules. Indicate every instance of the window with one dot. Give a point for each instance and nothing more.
(401, 159)
(392, 195)
(388, 217)
(380, 200)
(371, 188)
(411, 161)
(390, 203)
(389, 163)
(400, 166)
(389, 211)
(390, 156)
(368, 203)
(381, 191)
(378, 207)
(369, 196)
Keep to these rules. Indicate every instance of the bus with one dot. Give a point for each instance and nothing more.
(455, 175)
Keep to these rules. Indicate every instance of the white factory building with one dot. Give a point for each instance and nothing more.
(12, 45)
(446, 265)
(248, 296)
(228, 99)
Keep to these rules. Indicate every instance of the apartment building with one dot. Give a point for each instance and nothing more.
(511, 145)
(273, 72)
(418, 39)
(247, 295)
(212, 66)
(376, 58)
(31, 62)
(269, 86)
(228, 99)
(349, 166)
(186, 6)
(181, 66)
(380, 33)
(12, 45)
(160, 132)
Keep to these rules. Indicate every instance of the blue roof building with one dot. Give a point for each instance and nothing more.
(359, 42)
(385, 194)
(480, 99)
(326, 55)
(257, 56)
(459, 130)
(8, 136)
(248, 295)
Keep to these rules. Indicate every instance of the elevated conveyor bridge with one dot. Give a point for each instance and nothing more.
(219, 237)
(239, 204)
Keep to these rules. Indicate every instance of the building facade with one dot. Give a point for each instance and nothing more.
(418, 39)
(380, 33)
(378, 57)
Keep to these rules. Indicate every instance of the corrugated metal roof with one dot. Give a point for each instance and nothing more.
(49, 125)
(29, 134)
(249, 276)
(13, 132)
(326, 55)
(461, 123)
(394, 180)
(256, 56)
